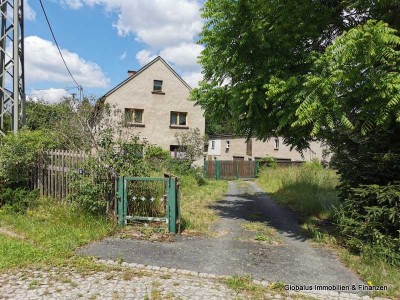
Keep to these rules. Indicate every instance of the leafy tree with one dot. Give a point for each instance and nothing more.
(191, 143)
(43, 115)
(20, 153)
(258, 54)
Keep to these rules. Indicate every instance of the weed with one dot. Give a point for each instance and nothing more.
(244, 284)
(264, 233)
(156, 294)
(261, 237)
(196, 202)
(277, 286)
(33, 284)
(309, 190)
(120, 259)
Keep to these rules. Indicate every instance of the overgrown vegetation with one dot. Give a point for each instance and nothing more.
(197, 213)
(310, 190)
(47, 234)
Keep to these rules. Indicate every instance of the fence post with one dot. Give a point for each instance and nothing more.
(121, 218)
(217, 169)
(237, 169)
(205, 168)
(256, 166)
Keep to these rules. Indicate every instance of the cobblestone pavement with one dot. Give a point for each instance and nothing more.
(127, 281)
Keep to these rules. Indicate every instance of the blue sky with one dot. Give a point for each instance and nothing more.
(102, 39)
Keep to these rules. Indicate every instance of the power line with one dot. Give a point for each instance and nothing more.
(59, 50)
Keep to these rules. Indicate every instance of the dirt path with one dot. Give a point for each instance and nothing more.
(285, 256)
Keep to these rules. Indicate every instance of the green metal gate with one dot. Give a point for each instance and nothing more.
(149, 199)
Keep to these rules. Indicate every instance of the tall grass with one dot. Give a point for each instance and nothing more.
(47, 234)
(196, 201)
(309, 189)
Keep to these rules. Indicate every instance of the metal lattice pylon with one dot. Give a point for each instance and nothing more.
(12, 89)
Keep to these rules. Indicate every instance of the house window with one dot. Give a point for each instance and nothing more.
(179, 119)
(134, 116)
(157, 86)
(276, 144)
(212, 145)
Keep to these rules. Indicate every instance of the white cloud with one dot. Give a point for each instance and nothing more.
(166, 27)
(51, 95)
(29, 13)
(184, 56)
(123, 56)
(193, 78)
(156, 23)
(145, 56)
(43, 63)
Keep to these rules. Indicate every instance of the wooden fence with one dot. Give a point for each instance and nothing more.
(229, 169)
(53, 173)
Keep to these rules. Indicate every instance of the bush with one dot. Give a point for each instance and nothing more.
(19, 154)
(114, 157)
(370, 221)
(18, 200)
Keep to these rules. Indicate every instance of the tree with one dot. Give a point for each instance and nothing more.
(191, 143)
(258, 54)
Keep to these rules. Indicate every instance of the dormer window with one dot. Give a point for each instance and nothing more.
(157, 86)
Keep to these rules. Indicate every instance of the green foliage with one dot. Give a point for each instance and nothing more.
(370, 217)
(156, 154)
(48, 234)
(269, 161)
(18, 200)
(20, 153)
(114, 157)
(310, 189)
(191, 142)
(43, 115)
(355, 85)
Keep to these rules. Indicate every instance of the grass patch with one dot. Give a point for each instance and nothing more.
(309, 189)
(197, 215)
(263, 232)
(244, 284)
(48, 234)
(374, 272)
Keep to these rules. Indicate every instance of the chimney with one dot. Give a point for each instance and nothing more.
(131, 73)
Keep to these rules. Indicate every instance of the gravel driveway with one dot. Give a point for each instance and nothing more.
(233, 251)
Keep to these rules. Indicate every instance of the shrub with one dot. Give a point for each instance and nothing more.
(370, 220)
(18, 200)
(114, 157)
(19, 154)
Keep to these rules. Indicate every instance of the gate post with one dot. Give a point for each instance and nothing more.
(205, 168)
(172, 203)
(237, 169)
(256, 168)
(121, 188)
(217, 169)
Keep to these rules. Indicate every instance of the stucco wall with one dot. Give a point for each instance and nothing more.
(137, 93)
(261, 149)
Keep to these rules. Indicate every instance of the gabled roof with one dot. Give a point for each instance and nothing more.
(158, 58)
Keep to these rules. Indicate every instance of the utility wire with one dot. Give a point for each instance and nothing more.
(58, 47)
